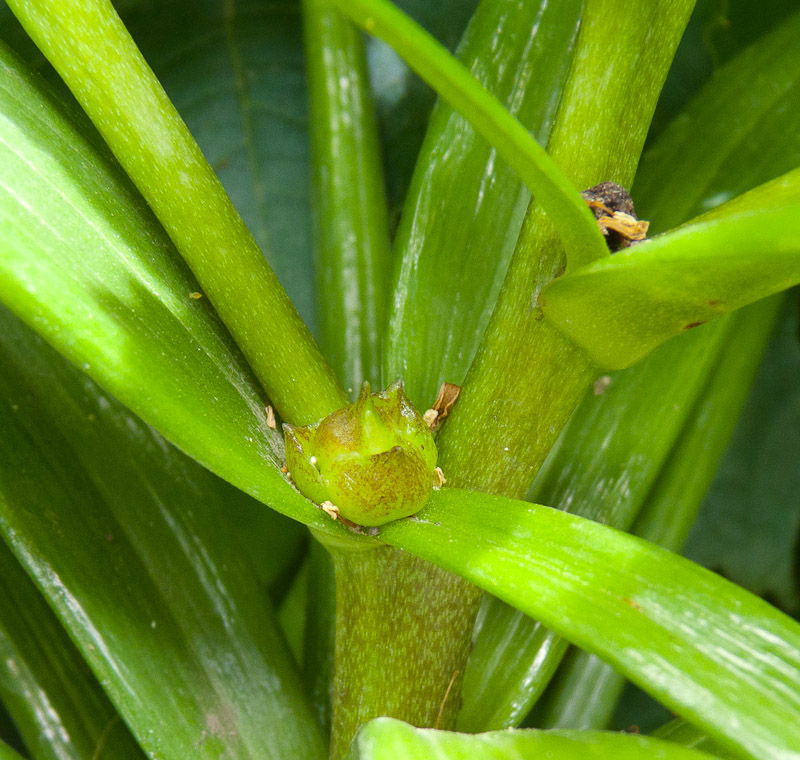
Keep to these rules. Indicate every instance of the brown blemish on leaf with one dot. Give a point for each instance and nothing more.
(613, 209)
(448, 394)
(692, 325)
(633, 604)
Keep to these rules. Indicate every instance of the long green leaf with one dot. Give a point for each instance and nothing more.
(124, 309)
(351, 232)
(386, 739)
(57, 705)
(128, 540)
(514, 144)
(719, 656)
(129, 107)
(623, 307)
(586, 691)
(449, 266)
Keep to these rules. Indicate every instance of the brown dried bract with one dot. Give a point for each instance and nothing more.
(448, 393)
(612, 206)
(271, 423)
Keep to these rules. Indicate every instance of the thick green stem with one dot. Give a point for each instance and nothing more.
(90, 48)
(527, 377)
(351, 234)
(384, 604)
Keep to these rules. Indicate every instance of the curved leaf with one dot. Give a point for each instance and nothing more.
(719, 656)
(128, 541)
(387, 739)
(680, 732)
(621, 308)
(125, 309)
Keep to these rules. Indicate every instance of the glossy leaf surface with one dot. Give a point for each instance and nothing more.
(127, 539)
(386, 739)
(129, 107)
(57, 704)
(717, 655)
(125, 310)
(465, 206)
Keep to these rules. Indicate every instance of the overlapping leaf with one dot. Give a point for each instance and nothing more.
(714, 653)
(127, 538)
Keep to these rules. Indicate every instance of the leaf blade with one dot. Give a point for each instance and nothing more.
(386, 738)
(648, 612)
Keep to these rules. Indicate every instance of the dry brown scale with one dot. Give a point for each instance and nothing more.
(612, 206)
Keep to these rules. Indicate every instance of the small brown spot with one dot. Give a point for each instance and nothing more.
(448, 395)
(692, 325)
(713, 303)
(633, 604)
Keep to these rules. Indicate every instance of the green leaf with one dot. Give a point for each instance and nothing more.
(586, 690)
(750, 114)
(386, 738)
(131, 110)
(7, 753)
(124, 309)
(235, 72)
(57, 704)
(351, 233)
(469, 247)
(749, 525)
(681, 732)
(712, 652)
(514, 144)
(602, 468)
(623, 307)
(128, 541)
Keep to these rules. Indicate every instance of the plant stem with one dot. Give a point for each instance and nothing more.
(90, 48)
(454, 82)
(527, 377)
(351, 234)
(384, 599)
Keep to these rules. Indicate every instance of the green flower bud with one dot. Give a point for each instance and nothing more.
(374, 460)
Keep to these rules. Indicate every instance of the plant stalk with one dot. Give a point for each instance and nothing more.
(88, 45)
(384, 600)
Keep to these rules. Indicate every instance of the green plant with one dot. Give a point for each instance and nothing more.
(134, 618)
